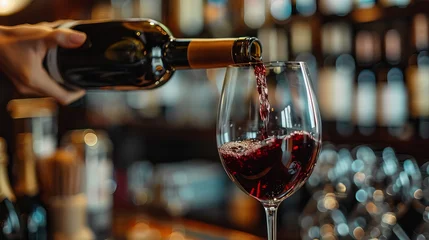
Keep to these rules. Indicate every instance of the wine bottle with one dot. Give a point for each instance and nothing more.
(139, 54)
(32, 213)
(10, 227)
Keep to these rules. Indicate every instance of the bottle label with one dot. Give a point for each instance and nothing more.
(51, 57)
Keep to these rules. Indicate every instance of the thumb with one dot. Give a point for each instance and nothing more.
(65, 38)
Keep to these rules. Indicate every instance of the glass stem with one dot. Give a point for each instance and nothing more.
(271, 212)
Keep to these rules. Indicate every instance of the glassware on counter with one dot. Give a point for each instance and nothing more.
(385, 186)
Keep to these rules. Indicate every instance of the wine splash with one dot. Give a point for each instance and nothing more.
(272, 168)
(264, 104)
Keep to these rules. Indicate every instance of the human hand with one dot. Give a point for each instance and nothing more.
(22, 50)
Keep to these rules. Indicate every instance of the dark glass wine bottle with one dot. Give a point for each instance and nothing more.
(139, 54)
(32, 213)
(10, 227)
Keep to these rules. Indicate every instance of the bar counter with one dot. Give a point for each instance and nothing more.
(131, 225)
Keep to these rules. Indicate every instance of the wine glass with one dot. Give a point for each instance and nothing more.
(268, 131)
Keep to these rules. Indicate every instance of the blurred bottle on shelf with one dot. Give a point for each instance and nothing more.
(306, 7)
(395, 3)
(10, 225)
(254, 13)
(280, 10)
(110, 108)
(32, 212)
(187, 17)
(37, 116)
(301, 36)
(140, 182)
(333, 7)
(417, 72)
(365, 3)
(93, 148)
(275, 42)
(150, 9)
(146, 105)
(336, 76)
(102, 10)
(65, 200)
(218, 18)
(188, 186)
(367, 55)
(123, 8)
(393, 104)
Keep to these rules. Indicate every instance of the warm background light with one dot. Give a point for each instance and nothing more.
(9, 7)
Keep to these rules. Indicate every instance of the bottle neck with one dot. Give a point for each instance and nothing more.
(26, 184)
(212, 53)
(27, 181)
(5, 189)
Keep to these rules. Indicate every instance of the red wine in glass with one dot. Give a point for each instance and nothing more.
(272, 168)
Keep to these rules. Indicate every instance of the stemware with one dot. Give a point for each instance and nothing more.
(268, 131)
